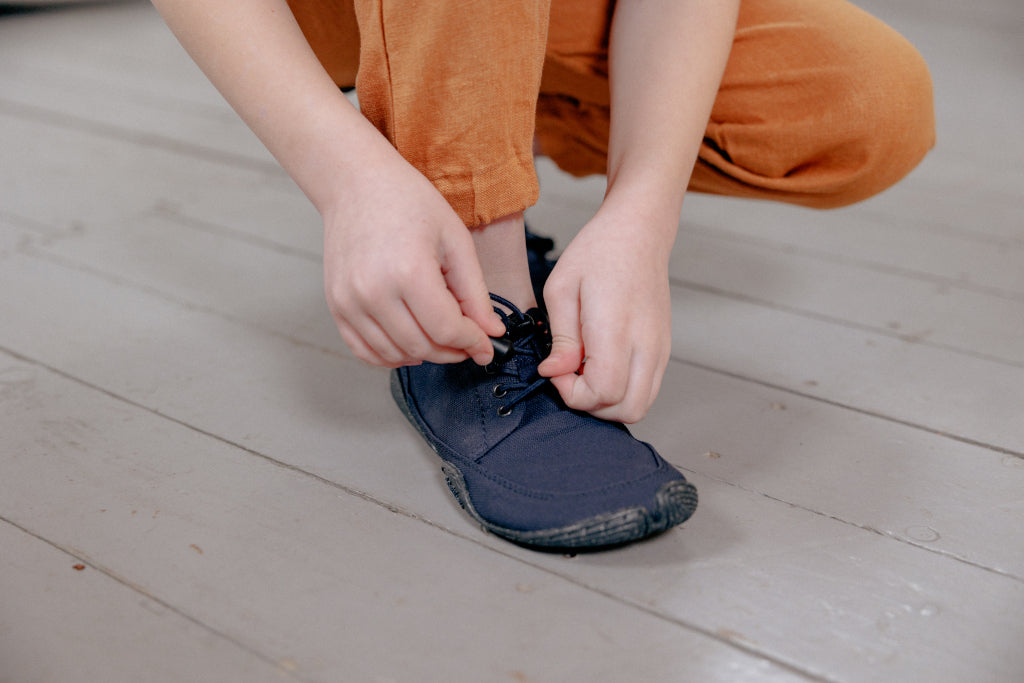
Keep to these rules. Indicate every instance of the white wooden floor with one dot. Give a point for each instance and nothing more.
(198, 483)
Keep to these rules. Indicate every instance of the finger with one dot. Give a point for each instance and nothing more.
(659, 375)
(463, 276)
(399, 324)
(604, 380)
(603, 384)
(637, 399)
(360, 348)
(381, 343)
(646, 373)
(566, 356)
(437, 312)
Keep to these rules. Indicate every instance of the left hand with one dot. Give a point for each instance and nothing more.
(608, 302)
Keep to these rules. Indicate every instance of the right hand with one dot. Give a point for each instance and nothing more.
(401, 274)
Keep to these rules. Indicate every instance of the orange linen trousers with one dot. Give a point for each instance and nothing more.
(821, 104)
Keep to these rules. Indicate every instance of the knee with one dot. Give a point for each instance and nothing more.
(824, 110)
(884, 119)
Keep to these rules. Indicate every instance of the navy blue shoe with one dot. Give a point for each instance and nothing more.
(524, 465)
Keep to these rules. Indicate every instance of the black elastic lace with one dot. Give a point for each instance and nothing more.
(520, 339)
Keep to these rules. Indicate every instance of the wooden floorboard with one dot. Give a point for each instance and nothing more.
(324, 583)
(178, 415)
(54, 601)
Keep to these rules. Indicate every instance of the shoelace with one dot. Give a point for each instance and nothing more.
(523, 342)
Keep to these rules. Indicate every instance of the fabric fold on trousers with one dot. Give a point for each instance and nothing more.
(453, 85)
(821, 104)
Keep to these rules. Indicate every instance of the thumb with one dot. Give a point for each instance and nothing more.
(566, 355)
(461, 269)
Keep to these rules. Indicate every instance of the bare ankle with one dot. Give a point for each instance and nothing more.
(501, 248)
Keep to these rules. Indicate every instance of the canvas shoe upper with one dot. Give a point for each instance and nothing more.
(526, 466)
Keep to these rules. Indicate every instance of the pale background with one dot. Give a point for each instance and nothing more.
(179, 418)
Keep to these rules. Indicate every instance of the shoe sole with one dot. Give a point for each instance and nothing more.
(675, 503)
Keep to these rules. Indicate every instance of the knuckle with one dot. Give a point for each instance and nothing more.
(451, 336)
(337, 298)
(609, 393)
(577, 403)
(366, 356)
(563, 340)
(387, 356)
(364, 289)
(418, 350)
(446, 336)
(557, 286)
(631, 415)
(404, 269)
(391, 355)
(351, 292)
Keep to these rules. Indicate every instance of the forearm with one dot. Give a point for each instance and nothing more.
(255, 54)
(666, 62)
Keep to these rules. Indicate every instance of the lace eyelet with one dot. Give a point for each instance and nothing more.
(504, 411)
(499, 391)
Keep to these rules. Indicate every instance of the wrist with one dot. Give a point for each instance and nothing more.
(348, 170)
(642, 215)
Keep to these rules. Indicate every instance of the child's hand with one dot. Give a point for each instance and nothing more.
(608, 302)
(401, 274)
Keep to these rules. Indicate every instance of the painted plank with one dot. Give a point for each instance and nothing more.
(119, 70)
(842, 605)
(86, 179)
(924, 489)
(265, 554)
(875, 243)
(935, 314)
(968, 398)
(326, 583)
(945, 198)
(63, 620)
(124, 44)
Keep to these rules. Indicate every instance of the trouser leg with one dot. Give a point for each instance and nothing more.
(820, 105)
(453, 86)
